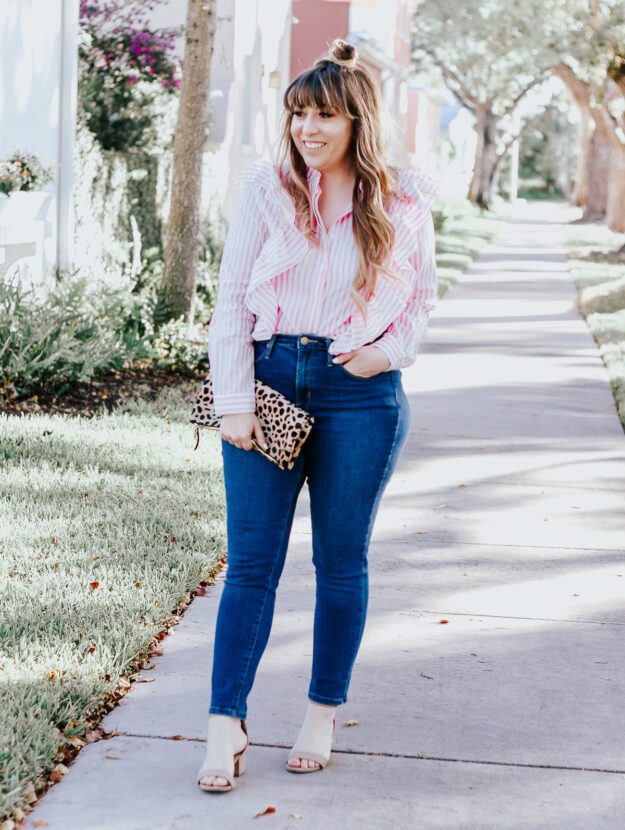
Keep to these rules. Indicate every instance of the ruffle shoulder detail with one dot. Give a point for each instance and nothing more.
(261, 172)
(417, 188)
(264, 175)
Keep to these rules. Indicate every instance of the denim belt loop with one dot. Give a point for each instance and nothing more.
(270, 345)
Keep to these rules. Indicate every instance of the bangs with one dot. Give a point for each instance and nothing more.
(318, 89)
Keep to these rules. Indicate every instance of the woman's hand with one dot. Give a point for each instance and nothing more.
(365, 361)
(239, 429)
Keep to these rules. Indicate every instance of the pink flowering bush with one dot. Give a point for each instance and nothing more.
(125, 65)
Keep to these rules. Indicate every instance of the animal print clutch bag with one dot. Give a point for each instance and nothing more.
(284, 424)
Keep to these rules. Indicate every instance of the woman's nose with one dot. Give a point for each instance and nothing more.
(310, 125)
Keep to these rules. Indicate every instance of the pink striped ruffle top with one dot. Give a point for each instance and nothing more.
(273, 280)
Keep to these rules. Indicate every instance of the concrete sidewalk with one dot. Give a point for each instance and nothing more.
(506, 519)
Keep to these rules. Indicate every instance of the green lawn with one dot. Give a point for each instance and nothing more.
(600, 280)
(465, 231)
(106, 525)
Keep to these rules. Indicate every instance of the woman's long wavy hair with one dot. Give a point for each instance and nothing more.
(338, 82)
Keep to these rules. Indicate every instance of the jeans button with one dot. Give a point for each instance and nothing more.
(304, 341)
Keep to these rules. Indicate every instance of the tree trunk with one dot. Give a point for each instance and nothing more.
(481, 189)
(580, 93)
(615, 210)
(182, 246)
(598, 174)
(582, 172)
(496, 172)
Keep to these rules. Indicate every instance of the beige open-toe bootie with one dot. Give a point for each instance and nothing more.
(239, 769)
(303, 755)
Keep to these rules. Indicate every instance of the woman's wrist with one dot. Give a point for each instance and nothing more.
(385, 359)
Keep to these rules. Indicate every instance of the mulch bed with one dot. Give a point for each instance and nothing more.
(87, 399)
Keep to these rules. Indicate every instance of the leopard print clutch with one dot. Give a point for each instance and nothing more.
(285, 425)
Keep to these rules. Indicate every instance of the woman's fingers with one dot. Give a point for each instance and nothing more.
(344, 357)
(242, 430)
(238, 429)
(259, 435)
(365, 362)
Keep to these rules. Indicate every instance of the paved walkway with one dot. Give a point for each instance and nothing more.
(506, 519)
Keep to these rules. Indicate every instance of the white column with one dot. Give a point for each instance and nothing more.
(67, 128)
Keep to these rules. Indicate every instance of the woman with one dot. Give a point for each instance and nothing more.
(326, 283)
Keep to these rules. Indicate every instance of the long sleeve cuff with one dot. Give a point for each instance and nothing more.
(234, 404)
(391, 348)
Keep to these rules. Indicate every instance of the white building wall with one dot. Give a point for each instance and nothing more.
(251, 56)
(35, 87)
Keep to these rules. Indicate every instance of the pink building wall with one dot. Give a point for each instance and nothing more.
(318, 23)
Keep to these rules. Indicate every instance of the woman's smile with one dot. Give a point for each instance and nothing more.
(322, 137)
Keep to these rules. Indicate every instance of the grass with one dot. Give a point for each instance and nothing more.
(106, 525)
(600, 280)
(462, 231)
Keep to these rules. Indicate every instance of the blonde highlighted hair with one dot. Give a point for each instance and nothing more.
(338, 82)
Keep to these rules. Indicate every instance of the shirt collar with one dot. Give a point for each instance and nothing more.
(313, 177)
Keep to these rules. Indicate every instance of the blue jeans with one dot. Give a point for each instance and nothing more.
(361, 426)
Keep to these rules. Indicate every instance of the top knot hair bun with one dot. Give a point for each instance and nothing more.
(343, 53)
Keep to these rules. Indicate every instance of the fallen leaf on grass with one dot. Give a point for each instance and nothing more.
(145, 680)
(93, 585)
(265, 811)
(201, 592)
(75, 741)
(93, 735)
(350, 723)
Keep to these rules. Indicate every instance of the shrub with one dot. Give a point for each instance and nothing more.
(83, 329)
(77, 331)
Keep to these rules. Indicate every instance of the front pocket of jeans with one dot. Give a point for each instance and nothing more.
(356, 377)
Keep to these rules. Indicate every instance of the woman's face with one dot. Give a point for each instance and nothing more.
(322, 138)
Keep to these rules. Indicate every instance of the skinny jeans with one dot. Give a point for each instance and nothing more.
(361, 426)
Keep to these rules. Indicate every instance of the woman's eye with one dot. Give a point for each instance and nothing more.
(325, 114)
